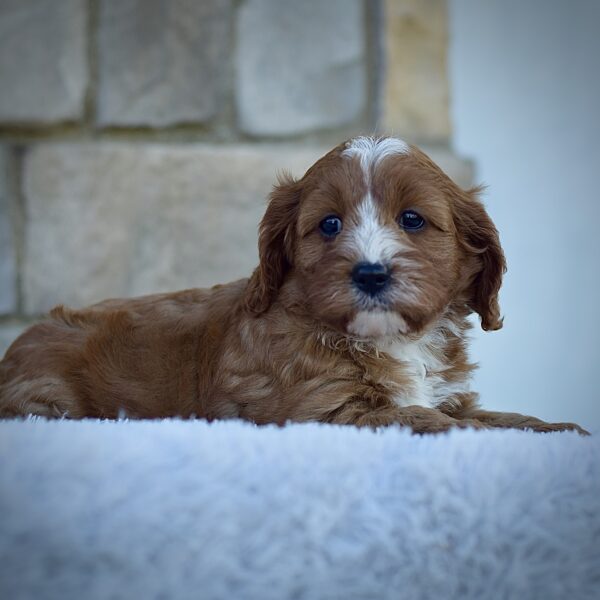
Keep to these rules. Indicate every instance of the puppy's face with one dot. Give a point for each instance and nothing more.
(380, 242)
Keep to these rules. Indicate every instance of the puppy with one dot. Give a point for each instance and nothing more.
(357, 314)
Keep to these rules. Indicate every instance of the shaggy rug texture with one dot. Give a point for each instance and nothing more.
(174, 509)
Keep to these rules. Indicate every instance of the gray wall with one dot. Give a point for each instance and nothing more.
(525, 81)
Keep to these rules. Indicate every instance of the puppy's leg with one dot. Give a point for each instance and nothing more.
(418, 418)
(43, 396)
(507, 420)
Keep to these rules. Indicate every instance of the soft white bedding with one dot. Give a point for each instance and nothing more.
(174, 509)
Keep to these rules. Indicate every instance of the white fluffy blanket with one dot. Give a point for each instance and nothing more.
(172, 509)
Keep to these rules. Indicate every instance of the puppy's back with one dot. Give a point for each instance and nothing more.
(143, 357)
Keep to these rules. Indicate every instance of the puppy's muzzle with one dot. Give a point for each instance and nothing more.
(371, 278)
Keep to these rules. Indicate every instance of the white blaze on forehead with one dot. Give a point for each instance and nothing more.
(372, 241)
(371, 151)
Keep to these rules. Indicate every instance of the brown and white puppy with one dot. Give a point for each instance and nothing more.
(356, 314)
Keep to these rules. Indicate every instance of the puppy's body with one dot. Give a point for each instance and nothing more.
(369, 267)
(198, 352)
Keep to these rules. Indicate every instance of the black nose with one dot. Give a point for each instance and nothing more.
(370, 278)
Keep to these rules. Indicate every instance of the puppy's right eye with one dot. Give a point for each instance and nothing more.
(330, 226)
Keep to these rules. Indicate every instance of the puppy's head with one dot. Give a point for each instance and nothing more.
(380, 242)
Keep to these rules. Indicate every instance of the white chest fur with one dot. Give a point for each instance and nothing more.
(421, 361)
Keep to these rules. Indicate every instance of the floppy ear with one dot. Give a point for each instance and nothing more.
(275, 244)
(479, 237)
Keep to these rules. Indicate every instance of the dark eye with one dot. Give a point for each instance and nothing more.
(330, 226)
(411, 220)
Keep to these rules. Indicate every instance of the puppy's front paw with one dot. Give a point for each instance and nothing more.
(471, 424)
(547, 427)
(429, 421)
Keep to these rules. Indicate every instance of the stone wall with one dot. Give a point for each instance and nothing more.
(139, 138)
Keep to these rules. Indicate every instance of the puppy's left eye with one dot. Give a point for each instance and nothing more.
(330, 226)
(411, 220)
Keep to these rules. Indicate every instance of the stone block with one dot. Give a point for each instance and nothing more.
(416, 103)
(300, 65)
(43, 60)
(8, 275)
(124, 219)
(162, 62)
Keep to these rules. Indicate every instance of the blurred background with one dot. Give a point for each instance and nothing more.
(139, 139)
